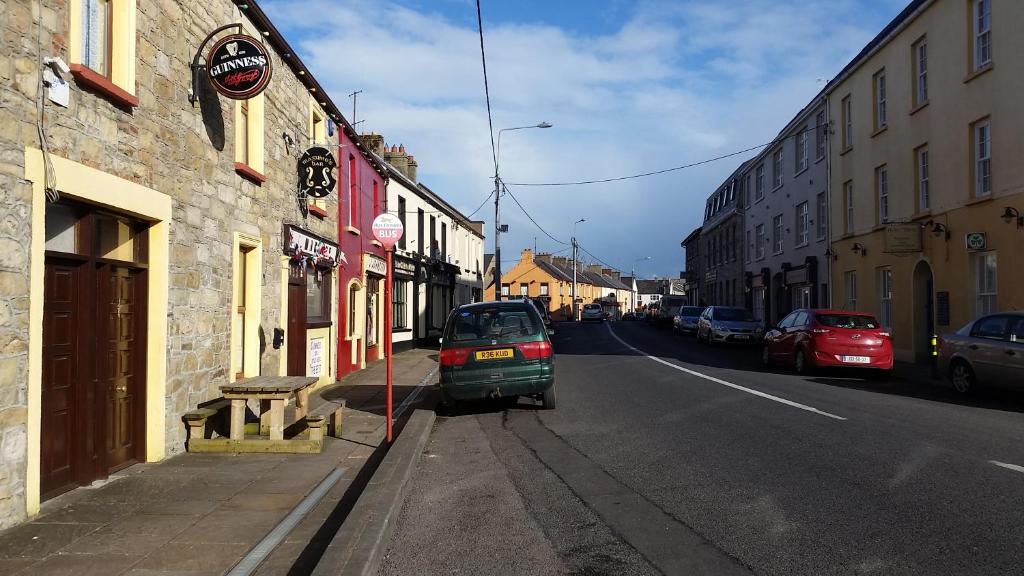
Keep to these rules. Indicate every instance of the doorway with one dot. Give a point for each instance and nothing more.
(924, 311)
(296, 320)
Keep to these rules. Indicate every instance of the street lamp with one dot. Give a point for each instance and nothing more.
(497, 196)
(574, 245)
(633, 270)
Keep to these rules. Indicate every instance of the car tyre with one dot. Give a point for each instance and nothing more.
(802, 364)
(766, 357)
(962, 377)
(448, 406)
(547, 398)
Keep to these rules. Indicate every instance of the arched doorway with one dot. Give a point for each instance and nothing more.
(924, 311)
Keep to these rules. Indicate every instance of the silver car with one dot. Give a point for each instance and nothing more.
(988, 351)
(728, 324)
(687, 319)
(592, 313)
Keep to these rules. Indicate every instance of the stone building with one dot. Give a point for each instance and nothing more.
(151, 248)
(694, 273)
(721, 244)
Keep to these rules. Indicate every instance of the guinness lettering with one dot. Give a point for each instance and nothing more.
(239, 66)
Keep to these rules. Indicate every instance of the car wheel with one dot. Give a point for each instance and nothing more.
(447, 406)
(802, 364)
(766, 357)
(962, 377)
(547, 398)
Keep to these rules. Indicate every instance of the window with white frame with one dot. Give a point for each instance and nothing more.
(759, 241)
(777, 234)
(802, 297)
(880, 112)
(924, 201)
(543, 288)
(850, 284)
(399, 304)
(803, 224)
(822, 216)
(882, 187)
(97, 42)
(758, 304)
(801, 150)
(982, 26)
(847, 122)
(848, 206)
(982, 158)
(985, 283)
(920, 56)
(750, 245)
(777, 168)
(505, 289)
(819, 136)
(759, 183)
(885, 297)
(524, 289)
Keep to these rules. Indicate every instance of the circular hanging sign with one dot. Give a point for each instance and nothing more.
(238, 66)
(387, 229)
(316, 172)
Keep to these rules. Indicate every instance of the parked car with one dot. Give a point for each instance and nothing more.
(496, 349)
(542, 309)
(810, 339)
(592, 313)
(989, 351)
(628, 316)
(668, 307)
(728, 324)
(686, 320)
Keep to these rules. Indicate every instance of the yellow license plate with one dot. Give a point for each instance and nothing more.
(495, 354)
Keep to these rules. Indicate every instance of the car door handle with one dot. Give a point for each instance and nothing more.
(973, 346)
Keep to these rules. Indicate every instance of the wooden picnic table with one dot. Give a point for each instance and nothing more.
(272, 392)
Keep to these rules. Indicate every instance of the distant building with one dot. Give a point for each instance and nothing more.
(694, 273)
(721, 243)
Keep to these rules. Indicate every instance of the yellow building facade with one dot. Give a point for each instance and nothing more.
(927, 128)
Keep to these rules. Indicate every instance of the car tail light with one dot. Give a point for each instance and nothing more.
(535, 350)
(454, 356)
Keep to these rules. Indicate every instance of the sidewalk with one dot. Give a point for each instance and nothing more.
(199, 514)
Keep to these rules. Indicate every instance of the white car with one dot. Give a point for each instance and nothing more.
(592, 313)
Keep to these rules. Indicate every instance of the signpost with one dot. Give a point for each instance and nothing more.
(388, 229)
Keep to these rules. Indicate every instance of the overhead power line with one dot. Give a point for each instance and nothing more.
(482, 204)
(539, 227)
(487, 90)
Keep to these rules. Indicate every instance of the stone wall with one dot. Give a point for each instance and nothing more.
(165, 145)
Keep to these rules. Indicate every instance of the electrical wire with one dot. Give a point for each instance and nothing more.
(539, 227)
(666, 170)
(482, 204)
(487, 90)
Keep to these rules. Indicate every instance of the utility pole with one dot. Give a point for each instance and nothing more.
(354, 96)
(574, 314)
(497, 239)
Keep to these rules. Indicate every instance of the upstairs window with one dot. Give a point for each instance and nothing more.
(848, 205)
(802, 224)
(880, 112)
(847, 122)
(97, 27)
(822, 216)
(819, 136)
(920, 60)
(759, 241)
(882, 186)
(101, 47)
(759, 183)
(924, 200)
(982, 140)
(982, 37)
(801, 150)
(249, 138)
(777, 234)
(777, 168)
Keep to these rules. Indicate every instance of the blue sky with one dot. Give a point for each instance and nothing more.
(631, 87)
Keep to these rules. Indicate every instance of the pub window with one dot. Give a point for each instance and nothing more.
(353, 196)
(102, 47)
(399, 300)
(401, 217)
(353, 295)
(249, 138)
(421, 247)
(318, 296)
(317, 137)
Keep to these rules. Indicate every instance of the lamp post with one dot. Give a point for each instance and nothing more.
(574, 246)
(497, 216)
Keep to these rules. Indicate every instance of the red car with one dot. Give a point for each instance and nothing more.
(810, 339)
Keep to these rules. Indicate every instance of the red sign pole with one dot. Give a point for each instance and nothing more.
(387, 335)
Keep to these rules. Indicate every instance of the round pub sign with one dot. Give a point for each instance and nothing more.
(238, 66)
(316, 172)
(387, 229)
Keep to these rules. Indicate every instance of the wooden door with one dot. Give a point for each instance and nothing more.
(296, 334)
(119, 362)
(64, 378)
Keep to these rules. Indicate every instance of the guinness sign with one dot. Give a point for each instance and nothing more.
(238, 66)
(316, 172)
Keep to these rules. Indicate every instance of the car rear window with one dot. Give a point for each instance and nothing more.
(857, 322)
(691, 311)
(733, 315)
(490, 323)
(591, 306)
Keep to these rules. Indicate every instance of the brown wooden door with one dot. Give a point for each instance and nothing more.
(296, 325)
(120, 363)
(63, 381)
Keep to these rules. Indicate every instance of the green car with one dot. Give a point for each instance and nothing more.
(496, 349)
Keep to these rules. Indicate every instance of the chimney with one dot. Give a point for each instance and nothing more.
(543, 257)
(477, 225)
(373, 142)
(527, 255)
(594, 268)
(411, 171)
(610, 273)
(560, 261)
(397, 157)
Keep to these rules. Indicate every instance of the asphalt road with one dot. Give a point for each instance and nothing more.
(669, 457)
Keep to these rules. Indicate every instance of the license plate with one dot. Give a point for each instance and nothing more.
(498, 354)
(741, 337)
(856, 359)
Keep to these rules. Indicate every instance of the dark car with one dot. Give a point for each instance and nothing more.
(687, 319)
(496, 349)
(542, 309)
(810, 339)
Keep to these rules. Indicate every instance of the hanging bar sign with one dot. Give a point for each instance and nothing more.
(316, 172)
(239, 66)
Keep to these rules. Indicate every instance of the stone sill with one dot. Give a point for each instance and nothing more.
(919, 107)
(879, 130)
(317, 211)
(979, 200)
(89, 78)
(352, 230)
(250, 173)
(845, 150)
(972, 75)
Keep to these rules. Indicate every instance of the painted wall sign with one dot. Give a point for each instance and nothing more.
(300, 243)
(316, 357)
(239, 66)
(902, 238)
(373, 264)
(976, 240)
(406, 267)
(316, 172)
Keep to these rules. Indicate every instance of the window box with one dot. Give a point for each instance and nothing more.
(250, 173)
(317, 211)
(94, 81)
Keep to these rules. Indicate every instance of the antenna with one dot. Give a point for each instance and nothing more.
(354, 96)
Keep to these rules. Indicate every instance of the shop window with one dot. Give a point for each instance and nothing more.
(318, 296)
(62, 226)
(102, 47)
(399, 304)
(249, 139)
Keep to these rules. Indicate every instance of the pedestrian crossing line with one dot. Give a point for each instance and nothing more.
(1013, 467)
(725, 382)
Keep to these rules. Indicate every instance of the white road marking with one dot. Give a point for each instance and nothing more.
(724, 382)
(1013, 467)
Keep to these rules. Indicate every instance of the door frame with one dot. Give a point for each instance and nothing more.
(293, 342)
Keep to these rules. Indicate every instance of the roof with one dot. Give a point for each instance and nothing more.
(553, 270)
(649, 286)
(432, 197)
(692, 236)
(488, 258)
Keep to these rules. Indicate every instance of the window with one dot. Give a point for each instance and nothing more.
(885, 297)
(985, 283)
(353, 196)
(920, 60)
(318, 296)
(399, 304)
(505, 288)
(444, 243)
(802, 299)
(822, 216)
(802, 224)
(847, 122)
(746, 192)
(249, 137)
(923, 194)
(243, 132)
(759, 241)
(730, 192)
(777, 234)
(353, 300)
(735, 243)
(759, 183)
(420, 245)
(317, 136)
(777, 168)
(820, 136)
(992, 327)
(524, 289)
(97, 44)
(101, 47)
(982, 27)
(376, 200)
(401, 216)
(758, 301)
(879, 84)
(750, 245)
(982, 158)
(241, 275)
(801, 150)
(882, 189)
(544, 289)
(848, 204)
(850, 282)
(434, 252)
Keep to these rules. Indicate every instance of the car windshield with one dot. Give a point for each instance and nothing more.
(490, 323)
(691, 311)
(847, 321)
(733, 315)
(591, 306)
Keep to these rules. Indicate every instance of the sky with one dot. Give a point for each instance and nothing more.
(631, 86)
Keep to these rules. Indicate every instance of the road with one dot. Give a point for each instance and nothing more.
(665, 456)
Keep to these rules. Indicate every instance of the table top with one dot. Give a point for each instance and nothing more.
(269, 384)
